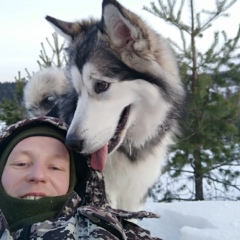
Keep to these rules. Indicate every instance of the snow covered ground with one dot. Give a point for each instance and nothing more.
(205, 220)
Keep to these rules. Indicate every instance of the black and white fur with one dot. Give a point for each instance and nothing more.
(125, 91)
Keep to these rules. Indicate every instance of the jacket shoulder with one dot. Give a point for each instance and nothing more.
(4, 229)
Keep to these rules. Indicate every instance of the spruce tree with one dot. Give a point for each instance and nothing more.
(12, 110)
(205, 162)
(57, 57)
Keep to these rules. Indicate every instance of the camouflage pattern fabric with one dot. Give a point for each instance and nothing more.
(80, 222)
(31, 121)
(89, 218)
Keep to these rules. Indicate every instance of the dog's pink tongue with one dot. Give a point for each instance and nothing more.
(99, 158)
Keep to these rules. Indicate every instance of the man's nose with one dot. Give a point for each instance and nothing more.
(37, 173)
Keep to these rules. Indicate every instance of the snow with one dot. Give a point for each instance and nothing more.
(201, 220)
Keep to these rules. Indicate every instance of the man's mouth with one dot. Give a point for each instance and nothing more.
(33, 196)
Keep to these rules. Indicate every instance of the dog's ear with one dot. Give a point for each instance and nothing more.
(68, 30)
(71, 30)
(121, 25)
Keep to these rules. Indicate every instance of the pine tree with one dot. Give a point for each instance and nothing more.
(204, 164)
(13, 110)
(57, 59)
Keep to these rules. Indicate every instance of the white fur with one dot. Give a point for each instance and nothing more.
(125, 181)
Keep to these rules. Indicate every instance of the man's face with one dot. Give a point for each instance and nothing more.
(37, 166)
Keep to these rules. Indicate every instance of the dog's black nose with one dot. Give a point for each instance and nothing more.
(74, 143)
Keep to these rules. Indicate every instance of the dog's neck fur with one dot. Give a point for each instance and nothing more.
(126, 192)
(141, 162)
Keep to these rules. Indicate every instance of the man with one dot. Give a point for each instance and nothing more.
(38, 178)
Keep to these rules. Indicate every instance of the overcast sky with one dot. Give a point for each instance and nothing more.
(23, 27)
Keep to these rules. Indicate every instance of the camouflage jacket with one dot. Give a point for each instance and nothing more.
(88, 218)
(96, 220)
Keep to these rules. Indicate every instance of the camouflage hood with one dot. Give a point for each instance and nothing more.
(81, 167)
(86, 217)
(31, 122)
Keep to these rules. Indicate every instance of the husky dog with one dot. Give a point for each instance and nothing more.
(125, 101)
(42, 95)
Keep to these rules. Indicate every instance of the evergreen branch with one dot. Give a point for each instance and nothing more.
(28, 74)
(167, 13)
(222, 182)
(176, 199)
(173, 43)
(228, 47)
(51, 46)
(224, 164)
(183, 40)
(184, 171)
(220, 5)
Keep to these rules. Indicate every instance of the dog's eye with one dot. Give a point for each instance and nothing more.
(101, 86)
(51, 98)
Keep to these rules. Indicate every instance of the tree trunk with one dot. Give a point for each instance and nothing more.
(198, 177)
(193, 46)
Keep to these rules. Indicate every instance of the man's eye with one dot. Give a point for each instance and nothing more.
(101, 86)
(21, 164)
(55, 168)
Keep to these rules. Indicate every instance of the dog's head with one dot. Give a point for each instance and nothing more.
(117, 69)
(42, 92)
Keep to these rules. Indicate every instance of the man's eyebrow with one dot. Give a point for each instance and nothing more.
(13, 156)
(21, 151)
(59, 156)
